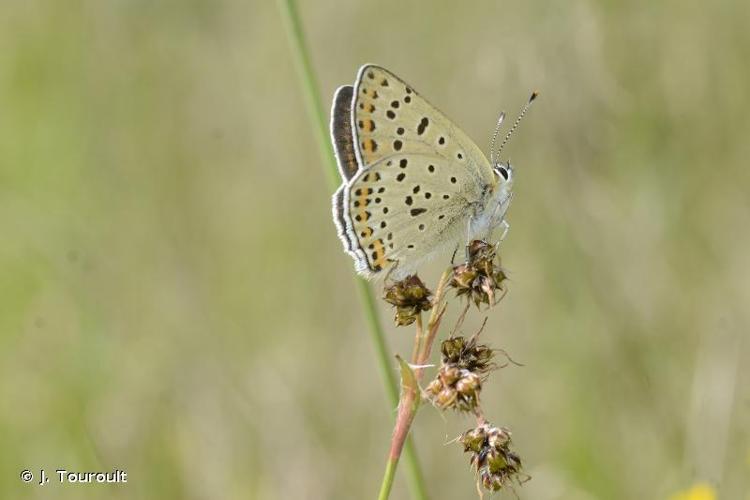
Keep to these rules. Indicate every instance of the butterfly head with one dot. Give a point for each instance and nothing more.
(502, 193)
(504, 174)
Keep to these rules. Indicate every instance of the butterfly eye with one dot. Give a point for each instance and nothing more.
(503, 172)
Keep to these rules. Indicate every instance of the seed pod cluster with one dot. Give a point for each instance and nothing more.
(480, 277)
(464, 366)
(455, 388)
(410, 297)
(491, 458)
(468, 354)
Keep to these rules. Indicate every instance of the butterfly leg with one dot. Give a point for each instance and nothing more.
(468, 230)
(468, 237)
(453, 257)
(506, 227)
(390, 271)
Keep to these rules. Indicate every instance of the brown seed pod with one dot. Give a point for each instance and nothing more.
(410, 297)
(480, 277)
(493, 461)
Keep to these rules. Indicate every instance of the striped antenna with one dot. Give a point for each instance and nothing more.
(494, 138)
(515, 124)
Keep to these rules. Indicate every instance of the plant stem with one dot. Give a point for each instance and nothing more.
(435, 317)
(410, 391)
(290, 17)
(407, 410)
(387, 484)
(417, 340)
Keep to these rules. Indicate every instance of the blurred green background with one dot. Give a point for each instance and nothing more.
(174, 301)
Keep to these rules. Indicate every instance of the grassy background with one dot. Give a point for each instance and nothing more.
(174, 301)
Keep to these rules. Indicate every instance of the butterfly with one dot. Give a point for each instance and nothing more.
(413, 184)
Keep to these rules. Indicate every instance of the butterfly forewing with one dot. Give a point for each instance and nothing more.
(390, 117)
(341, 132)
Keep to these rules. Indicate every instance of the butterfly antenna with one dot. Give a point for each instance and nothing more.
(518, 120)
(494, 137)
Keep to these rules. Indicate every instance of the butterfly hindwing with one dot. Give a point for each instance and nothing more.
(341, 220)
(404, 208)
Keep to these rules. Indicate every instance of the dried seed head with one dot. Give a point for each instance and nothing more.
(480, 250)
(463, 276)
(434, 388)
(480, 277)
(446, 397)
(468, 354)
(452, 349)
(495, 464)
(469, 384)
(410, 297)
(455, 388)
(449, 375)
(465, 365)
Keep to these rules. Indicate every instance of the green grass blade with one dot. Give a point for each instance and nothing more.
(319, 118)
